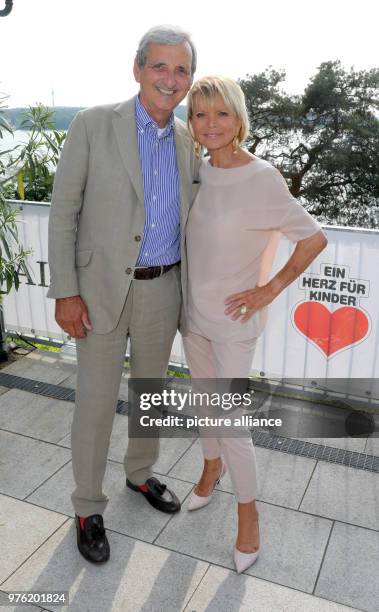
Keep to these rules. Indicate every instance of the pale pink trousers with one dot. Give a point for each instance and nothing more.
(208, 359)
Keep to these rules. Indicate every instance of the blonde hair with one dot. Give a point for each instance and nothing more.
(211, 87)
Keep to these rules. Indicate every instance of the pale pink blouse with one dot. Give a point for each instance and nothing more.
(232, 233)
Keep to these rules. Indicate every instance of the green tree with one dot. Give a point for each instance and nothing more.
(32, 164)
(325, 142)
(13, 256)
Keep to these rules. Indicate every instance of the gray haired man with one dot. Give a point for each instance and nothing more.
(122, 192)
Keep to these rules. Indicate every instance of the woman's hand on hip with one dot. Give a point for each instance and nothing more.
(243, 305)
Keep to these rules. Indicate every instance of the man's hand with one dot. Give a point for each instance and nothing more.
(71, 314)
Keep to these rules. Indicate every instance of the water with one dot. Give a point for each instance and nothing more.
(9, 141)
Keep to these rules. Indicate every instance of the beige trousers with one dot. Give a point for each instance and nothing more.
(212, 360)
(150, 319)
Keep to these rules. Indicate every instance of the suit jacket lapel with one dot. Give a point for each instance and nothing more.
(124, 124)
(183, 149)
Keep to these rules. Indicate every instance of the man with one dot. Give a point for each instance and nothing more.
(122, 192)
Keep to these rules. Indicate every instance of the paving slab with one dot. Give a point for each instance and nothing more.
(171, 448)
(138, 576)
(4, 601)
(35, 416)
(41, 365)
(55, 493)
(210, 533)
(350, 570)
(127, 512)
(23, 528)
(223, 591)
(25, 463)
(282, 478)
(344, 494)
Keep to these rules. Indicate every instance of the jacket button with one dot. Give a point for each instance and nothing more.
(137, 238)
(128, 270)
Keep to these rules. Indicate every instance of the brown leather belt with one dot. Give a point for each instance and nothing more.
(152, 272)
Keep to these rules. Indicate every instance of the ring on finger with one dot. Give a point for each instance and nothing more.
(243, 309)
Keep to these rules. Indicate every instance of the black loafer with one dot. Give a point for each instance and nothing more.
(92, 541)
(153, 490)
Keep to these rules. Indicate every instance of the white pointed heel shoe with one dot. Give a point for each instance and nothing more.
(244, 560)
(196, 501)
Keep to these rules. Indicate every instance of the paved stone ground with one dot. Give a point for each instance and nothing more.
(319, 522)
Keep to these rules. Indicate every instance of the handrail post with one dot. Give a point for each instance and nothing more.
(4, 347)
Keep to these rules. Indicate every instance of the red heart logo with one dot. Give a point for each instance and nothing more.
(331, 331)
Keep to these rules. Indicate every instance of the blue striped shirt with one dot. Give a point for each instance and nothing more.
(160, 244)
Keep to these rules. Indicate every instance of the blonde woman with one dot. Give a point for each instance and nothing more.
(242, 204)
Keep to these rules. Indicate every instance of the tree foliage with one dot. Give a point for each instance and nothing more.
(325, 142)
(13, 256)
(32, 163)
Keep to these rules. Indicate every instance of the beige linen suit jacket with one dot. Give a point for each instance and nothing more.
(97, 211)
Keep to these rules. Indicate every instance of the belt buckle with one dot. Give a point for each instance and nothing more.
(161, 267)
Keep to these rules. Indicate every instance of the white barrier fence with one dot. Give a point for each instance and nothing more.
(325, 325)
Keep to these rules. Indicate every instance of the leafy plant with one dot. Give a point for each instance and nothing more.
(13, 256)
(34, 162)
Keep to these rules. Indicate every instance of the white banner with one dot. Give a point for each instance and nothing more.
(28, 310)
(325, 325)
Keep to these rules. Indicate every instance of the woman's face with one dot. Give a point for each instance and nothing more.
(214, 126)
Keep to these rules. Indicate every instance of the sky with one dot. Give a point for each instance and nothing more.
(83, 50)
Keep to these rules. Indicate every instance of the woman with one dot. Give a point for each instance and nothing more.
(231, 236)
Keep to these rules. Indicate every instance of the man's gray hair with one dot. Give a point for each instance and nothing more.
(165, 35)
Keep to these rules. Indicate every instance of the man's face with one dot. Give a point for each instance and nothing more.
(165, 79)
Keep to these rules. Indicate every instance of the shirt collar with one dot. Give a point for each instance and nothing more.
(143, 119)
